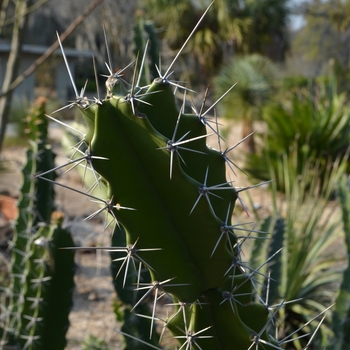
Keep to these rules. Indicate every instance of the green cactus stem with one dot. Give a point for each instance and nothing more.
(168, 190)
(341, 313)
(40, 292)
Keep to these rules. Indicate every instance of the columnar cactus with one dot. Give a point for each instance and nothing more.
(341, 315)
(171, 194)
(40, 292)
(169, 191)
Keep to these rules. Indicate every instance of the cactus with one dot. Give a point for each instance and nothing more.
(341, 314)
(126, 295)
(133, 325)
(169, 191)
(143, 30)
(40, 291)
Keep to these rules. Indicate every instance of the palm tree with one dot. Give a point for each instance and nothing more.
(268, 35)
(221, 31)
(230, 27)
(255, 75)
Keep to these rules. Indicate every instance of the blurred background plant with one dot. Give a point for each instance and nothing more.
(256, 81)
(18, 117)
(311, 124)
(306, 273)
(95, 343)
(231, 27)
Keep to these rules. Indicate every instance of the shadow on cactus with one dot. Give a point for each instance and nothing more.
(169, 192)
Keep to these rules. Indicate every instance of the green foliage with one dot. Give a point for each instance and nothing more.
(327, 19)
(269, 34)
(233, 26)
(340, 15)
(341, 313)
(94, 343)
(312, 126)
(18, 116)
(225, 25)
(303, 274)
(145, 33)
(294, 82)
(255, 78)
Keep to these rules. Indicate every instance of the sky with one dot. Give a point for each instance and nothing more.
(296, 21)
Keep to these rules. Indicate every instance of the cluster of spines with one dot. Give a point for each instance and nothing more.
(171, 212)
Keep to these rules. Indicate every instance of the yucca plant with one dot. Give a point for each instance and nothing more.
(256, 78)
(314, 123)
(304, 224)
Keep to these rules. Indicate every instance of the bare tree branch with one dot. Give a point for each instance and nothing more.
(30, 9)
(52, 48)
(13, 61)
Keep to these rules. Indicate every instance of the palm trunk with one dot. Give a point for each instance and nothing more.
(247, 128)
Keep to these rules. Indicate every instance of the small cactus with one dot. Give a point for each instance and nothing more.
(40, 292)
(341, 314)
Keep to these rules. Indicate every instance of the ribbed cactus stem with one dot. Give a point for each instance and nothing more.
(40, 291)
(168, 190)
(181, 200)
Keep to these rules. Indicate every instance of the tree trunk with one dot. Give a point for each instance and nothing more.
(13, 62)
(247, 128)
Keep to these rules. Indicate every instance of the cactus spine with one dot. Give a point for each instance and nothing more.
(40, 292)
